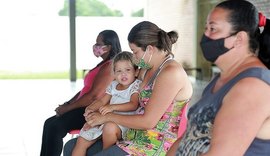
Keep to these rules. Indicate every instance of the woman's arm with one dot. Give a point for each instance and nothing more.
(164, 92)
(101, 81)
(132, 105)
(74, 98)
(97, 104)
(173, 148)
(244, 110)
(61, 109)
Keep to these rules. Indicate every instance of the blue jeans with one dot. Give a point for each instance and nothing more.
(95, 149)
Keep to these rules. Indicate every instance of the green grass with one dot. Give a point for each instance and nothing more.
(37, 75)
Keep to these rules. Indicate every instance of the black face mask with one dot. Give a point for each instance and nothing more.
(212, 49)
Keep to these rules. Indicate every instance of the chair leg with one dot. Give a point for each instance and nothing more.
(74, 133)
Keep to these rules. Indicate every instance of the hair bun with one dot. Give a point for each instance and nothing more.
(173, 35)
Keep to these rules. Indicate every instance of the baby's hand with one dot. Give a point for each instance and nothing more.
(88, 111)
(86, 126)
(106, 109)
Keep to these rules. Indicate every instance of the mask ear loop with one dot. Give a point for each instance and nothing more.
(233, 34)
(150, 58)
(143, 55)
(142, 59)
(139, 68)
(150, 55)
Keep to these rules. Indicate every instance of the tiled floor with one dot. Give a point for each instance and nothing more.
(25, 104)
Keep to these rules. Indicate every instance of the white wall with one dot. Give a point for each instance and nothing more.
(34, 43)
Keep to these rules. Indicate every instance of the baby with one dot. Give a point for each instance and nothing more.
(121, 97)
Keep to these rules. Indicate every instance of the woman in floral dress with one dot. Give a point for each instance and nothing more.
(165, 90)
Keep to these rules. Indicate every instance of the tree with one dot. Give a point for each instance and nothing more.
(90, 8)
(138, 13)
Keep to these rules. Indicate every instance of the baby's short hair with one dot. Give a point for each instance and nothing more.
(124, 56)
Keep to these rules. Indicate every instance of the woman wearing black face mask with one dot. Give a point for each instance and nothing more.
(233, 116)
(213, 48)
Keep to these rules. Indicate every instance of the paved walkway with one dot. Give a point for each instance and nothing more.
(26, 104)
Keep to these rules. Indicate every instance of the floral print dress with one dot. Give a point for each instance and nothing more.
(156, 141)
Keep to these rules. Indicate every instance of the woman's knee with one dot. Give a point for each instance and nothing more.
(49, 121)
(55, 126)
(112, 151)
(68, 147)
(95, 148)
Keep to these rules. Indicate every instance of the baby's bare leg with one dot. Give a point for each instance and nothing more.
(111, 133)
(81, 146)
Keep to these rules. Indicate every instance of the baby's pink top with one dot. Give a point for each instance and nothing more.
(89, 79)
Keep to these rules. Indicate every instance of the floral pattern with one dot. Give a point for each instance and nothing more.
(156, 141)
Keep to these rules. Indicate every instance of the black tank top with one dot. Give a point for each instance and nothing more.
(201, 117)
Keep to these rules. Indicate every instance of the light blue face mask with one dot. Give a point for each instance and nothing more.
(142, 64)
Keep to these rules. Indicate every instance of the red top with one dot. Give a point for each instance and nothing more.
(89, 79)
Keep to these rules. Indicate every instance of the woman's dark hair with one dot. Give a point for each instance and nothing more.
(243, 16)
(264, 52)
(111, 38)
(146, 33)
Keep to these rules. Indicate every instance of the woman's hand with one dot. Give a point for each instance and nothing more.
(105, 109)
(86, 127)
(62, 109)
(88, 110)
(95, 119)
